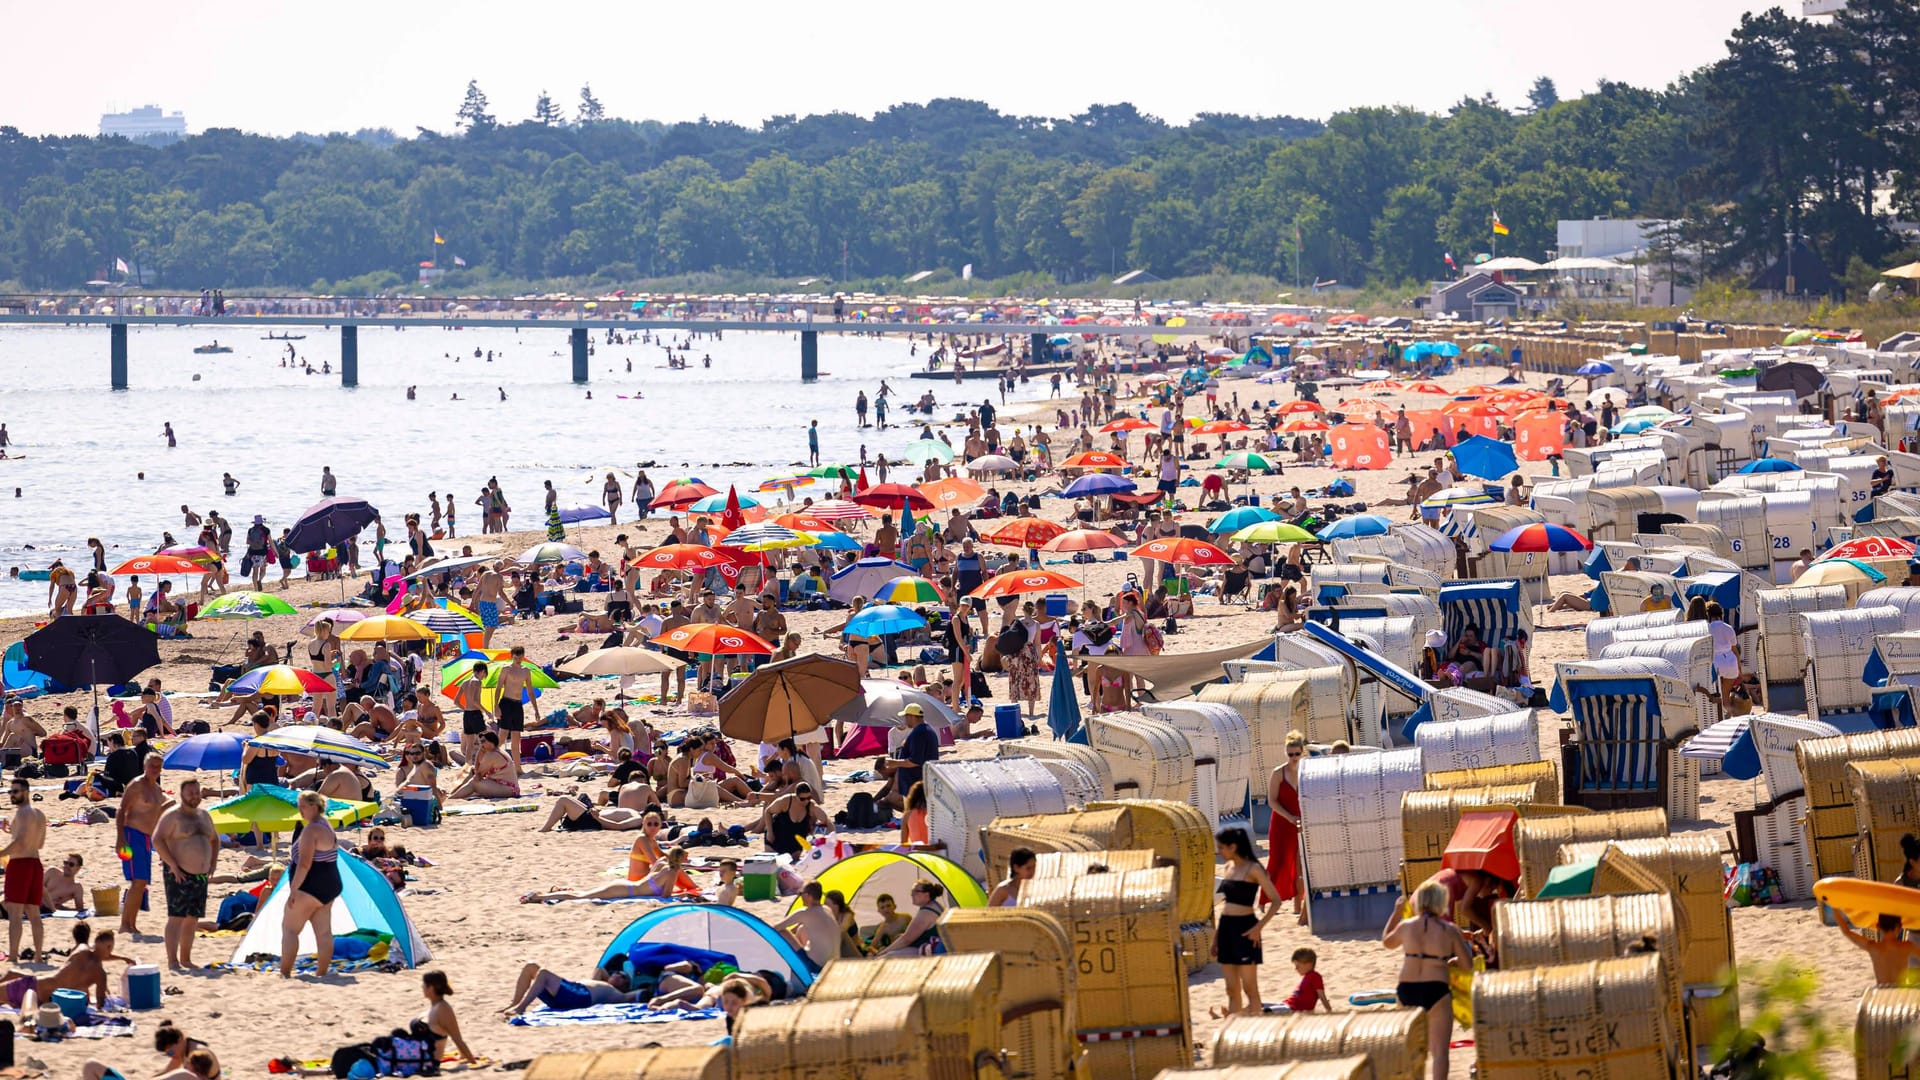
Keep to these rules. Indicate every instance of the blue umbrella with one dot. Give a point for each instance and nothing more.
(837, 541)
(1359, 525)
(583, 513)
(1097, 484)
(1445, 348)
(714, 504)
(1768, 465)
(217, 751)
(1240, 517)
(1594, 367)
(881, 619)
(1063, 702)
(1484, 457)
(1634, 426)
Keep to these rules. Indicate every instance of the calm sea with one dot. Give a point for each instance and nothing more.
(81, 448)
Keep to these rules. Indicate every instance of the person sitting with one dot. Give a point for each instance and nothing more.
(790, 819)
(60, 887)
(493, 775)
(893, 922)
(562, 995)
(1469, 653)
(923, 930)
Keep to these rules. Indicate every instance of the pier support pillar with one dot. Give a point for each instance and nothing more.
(349, 356)
(579, 354)
(809, 355)
(1038, 344)
(117, 354)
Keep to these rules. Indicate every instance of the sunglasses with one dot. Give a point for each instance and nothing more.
(1293, 753)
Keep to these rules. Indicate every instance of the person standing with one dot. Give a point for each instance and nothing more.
(813, 443)
(189, 849)
(610, 495)
(140, 808)
(26, 878)
(516, 691)
(229, 484)
(327, 482)
(470, 695)
(1431, 944)
(1236, 938)
(451, 531)
(259, 552)
(643, 493)
(1283, 829)
(314, 887)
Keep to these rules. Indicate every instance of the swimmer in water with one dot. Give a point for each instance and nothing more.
(168, 432)
(503, 392)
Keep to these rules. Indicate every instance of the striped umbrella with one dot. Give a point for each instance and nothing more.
(280, 679)
(766, 536)
(444, 621)
(323, 743)
(908, 590)
(838, 510)
(715, 504)
(1540, 537)
(1245, 459)
(785, 484)
(1457, 496)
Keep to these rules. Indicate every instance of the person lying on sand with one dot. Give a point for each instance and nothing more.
(560, 994)
(657, 885)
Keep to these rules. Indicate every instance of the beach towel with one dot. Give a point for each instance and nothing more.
(633, 1012)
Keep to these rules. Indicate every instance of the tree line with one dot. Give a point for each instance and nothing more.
(1801, 129)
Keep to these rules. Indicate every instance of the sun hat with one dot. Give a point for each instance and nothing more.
(913, 709)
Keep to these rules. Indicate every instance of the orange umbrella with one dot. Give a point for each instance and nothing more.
(1473, 408)
(1309, 424)
(1182, 550)
(1015, 582)
(1292, 407)
(1539, 434)
(1428, 388)
(1083, 540)
(1025, 532)
(1513, 397)
(1360, 446)
(806, 523)
(1095, 459)
(713, 639)
(1357, 407)
(1221, 427)
(953, 491)
(1127, 423)
(158, 564)
(1387, 384)
(1488, 425)
(1476, 390)
(682, 557)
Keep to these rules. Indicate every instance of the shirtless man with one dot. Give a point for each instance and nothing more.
(486, 604)
(559, 994)
(188, 849)
(140, 809)
(471, 695)
(26, 878)
(812, 927)
(61, 886)
(19, 733)
(85, 969)
(510, 713)
(1892, 954)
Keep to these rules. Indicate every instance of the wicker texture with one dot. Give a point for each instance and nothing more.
(1538, 840)
(884, 1037)
(965, 796)
(1138, 1059)
(1312, 700)
(1480, 742)
(1176, 831)
(1082, 770)
(658, 1063)
(1350, 817)
(1394, 1041)
(1347, 1068)
(1122, 925)
(1886, 805)
(1599, 1020)
(1428, 818)
(1151, 759)
(1543, 777)
(1072, 864)
(1692, 868)
(1883, 1032)
(1076, 830)
(959, 996)
(1831, 823)
(1036, 989)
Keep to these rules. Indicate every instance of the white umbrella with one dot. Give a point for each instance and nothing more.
(551, 553)
(993, 463)
(881, 700)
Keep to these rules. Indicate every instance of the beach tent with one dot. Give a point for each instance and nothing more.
(864, 576)
(21, 681)
(753, 944)
(862, 878)
(367, 902)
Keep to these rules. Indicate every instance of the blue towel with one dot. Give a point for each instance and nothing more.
(635, 1012)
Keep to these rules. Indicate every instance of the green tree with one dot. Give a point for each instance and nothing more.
(473, 114)
(1543, 95)
(590, 111)
(1101, 216)
(546, 113)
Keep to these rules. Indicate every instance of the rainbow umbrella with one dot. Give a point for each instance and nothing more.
(908, 590)
(280, 679)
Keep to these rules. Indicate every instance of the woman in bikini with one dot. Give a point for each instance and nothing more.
(1236, 939)
(439, 1018)
(1431, 944)
(322, 652)
(661, 882)
(492, 776)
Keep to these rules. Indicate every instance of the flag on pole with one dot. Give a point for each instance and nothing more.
(437, 238)
(121, 265)
(1449, 257)
(458, 261)
(1499, 229)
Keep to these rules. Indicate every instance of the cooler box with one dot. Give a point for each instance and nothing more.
(1176, 586)
(417, 803)
(143, 986)
(760, 878)
(1057, 605)
(72, 1003)
(1006, 722)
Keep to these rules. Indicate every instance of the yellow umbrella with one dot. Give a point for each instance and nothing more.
(387, 628)
(1839, 572)
(1911, 272)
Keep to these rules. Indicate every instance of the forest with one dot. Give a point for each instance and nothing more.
(1801, 129)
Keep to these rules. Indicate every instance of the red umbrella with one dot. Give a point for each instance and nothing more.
(714, 639)
(1292, 407)
(1015, 582)
(1083, 540)
(1428, 388)
(1306, 425)
(1025, 532)
(1095, 459)
(681, 493)
(1871, 547)
(1221, 427)
(158, 564)
(684, 557)
(1127, 423)
(888, 497)
(1182, 550)
(732, 518)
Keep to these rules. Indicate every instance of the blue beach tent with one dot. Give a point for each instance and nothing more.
(753, 944)
(367, 902)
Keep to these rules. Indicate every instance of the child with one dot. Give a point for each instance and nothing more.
(1312, 988)
(728, 891)
(1892, 953)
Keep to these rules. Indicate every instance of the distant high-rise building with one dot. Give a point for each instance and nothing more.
(145, 123)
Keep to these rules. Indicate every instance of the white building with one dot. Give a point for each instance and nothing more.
(1622, 240)
(145, 122)
(1815, 8)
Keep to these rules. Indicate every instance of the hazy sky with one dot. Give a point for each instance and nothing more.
(278, 67)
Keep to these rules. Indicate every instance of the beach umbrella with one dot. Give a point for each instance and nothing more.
(714, 504)
(1484, 457)
(877, 620)
(1802, 379)
(337, 616)
(881, 701)
(1828, 572)
(576, 515)
(839, 510)
(1428, 388)
(679, 493)
(1768, 465)
(1094, 459)
(766, 536)
(157, 565)
(1128, 423)
(1024, 532)
(1246, 459)
(216, 751)
(892, 497)
(447, 566)
(330, 522)
(1239, 518)
(1179, 549)
(1594, 367)
(922, 451)
(802, 523)
(92, 650)
(1274, 532)
(1083, 540)
(1635, 426)
(550, 553)
(1486, 348)
(693, 557)
(195, 553)
(785, 484)
(1018, 582)
(792, 697)
(245, 605)
(1063, 698)
(832, 472)
(1301, 408)
(1458, 496)
(1540, 537)
(1870, 547)
(1309, 424)
(714, 639)
(1356, 526)
(1222, 427)
(447, 620)
(834, 540)
(912, 589)
(953, 491)
(321, 742)
(452, 673)
(269, 808)
(992, 463)
(386, 628)
(280, 679)
(1092, 484)
(1655, 413)
(621, 660)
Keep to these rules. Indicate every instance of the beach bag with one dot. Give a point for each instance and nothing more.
(1155, 640)
(977, 685)
(1012, 639)
(64, 749)
(703, 793)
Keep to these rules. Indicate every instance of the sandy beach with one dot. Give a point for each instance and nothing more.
(466, 904)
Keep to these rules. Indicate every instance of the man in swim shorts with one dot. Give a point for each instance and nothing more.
(558, 994)
(26, 878)
(486, 604)
(510, 714)
(139, 812)
(189, 848)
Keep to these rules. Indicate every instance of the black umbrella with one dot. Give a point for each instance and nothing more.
(329, 522)
(92, 650)
(1804, 380)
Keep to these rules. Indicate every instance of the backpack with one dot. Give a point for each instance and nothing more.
(863, 812)
(1012, 639)
(409, 1051)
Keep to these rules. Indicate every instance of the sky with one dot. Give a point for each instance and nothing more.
(277, 67)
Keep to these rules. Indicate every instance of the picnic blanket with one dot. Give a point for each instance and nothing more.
(633, 1012)
(482, 811)
(306, 965)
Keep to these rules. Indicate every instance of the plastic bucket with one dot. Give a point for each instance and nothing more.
(72, 1003)
(1006, 722)
(106, 901)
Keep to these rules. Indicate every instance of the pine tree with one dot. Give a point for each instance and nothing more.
(1544, 95)
(591, 111)
(473, 114)
(545, 112)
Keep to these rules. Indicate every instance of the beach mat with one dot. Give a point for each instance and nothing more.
(632, 1012)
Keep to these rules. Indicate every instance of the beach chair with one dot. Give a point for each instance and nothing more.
(1626, 748)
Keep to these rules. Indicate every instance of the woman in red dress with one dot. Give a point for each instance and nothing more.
(1283, 831)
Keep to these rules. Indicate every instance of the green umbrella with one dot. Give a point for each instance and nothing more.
(1487, 348)
(1275, 532)
(1244, 459)
(921, 451)
(834, 472)
(458, 670)
(246, 605)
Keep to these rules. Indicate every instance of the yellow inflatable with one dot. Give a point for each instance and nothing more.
(1863, 902)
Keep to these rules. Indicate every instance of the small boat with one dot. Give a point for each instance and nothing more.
(985, 350)
(284, 337)
(203, 349)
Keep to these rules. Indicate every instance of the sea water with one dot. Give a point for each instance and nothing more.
(79, 450)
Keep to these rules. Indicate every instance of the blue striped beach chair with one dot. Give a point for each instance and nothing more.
(1628, 730)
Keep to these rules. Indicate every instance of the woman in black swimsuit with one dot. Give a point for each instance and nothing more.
(322, 651)
(1236, 938)
(313, 889)
(1431, 944)
(257, 764)
(786, 834)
